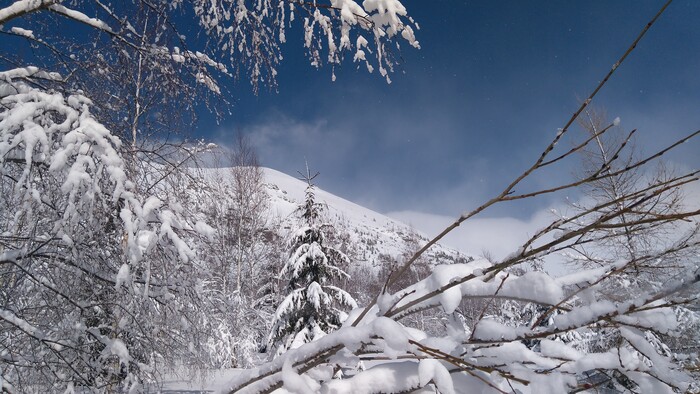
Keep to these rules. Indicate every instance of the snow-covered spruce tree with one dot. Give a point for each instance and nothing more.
(313, 306)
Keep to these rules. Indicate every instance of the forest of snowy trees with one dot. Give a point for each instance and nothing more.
(121, 258)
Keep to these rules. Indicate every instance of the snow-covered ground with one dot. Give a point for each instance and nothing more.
(207, 382)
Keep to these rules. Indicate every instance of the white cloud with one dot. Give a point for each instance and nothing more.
(283, 143)
(497, 237)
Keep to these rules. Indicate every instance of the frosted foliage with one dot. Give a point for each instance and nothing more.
(177, 50)
(250, 32)
(91, 272)
(41, 129)
(538, 326)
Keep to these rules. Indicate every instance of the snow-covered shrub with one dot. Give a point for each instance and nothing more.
(242, 256)
(546, 357)
(96, 281)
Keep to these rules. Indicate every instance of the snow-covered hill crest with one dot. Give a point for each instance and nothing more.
(372, 237)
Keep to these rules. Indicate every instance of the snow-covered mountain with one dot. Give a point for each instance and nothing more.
(372, 236)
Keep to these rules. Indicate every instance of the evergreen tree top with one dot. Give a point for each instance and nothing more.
(310, 210)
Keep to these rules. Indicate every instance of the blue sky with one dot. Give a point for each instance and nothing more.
(476, 104)
(464, 114)
(471, 109)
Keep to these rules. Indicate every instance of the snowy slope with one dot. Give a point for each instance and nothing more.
(370, 234)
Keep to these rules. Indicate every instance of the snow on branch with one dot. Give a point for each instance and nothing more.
(88, 256)
(80, 17)
(330, 29)
(23, 7)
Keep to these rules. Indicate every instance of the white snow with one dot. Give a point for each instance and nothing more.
(80, 17)
(430, 370)
(118, 348)
(123, 275)
(22, 32)
(20, 7)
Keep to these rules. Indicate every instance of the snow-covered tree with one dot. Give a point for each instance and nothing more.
(640, 238)
(243, 255)
(313, 306)
(97, 280)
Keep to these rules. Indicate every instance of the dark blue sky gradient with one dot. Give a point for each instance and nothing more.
(476, 105)
(464, 114)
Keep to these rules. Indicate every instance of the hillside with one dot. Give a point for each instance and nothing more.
(370, 237)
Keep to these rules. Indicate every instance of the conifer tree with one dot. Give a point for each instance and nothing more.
(312, 307)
